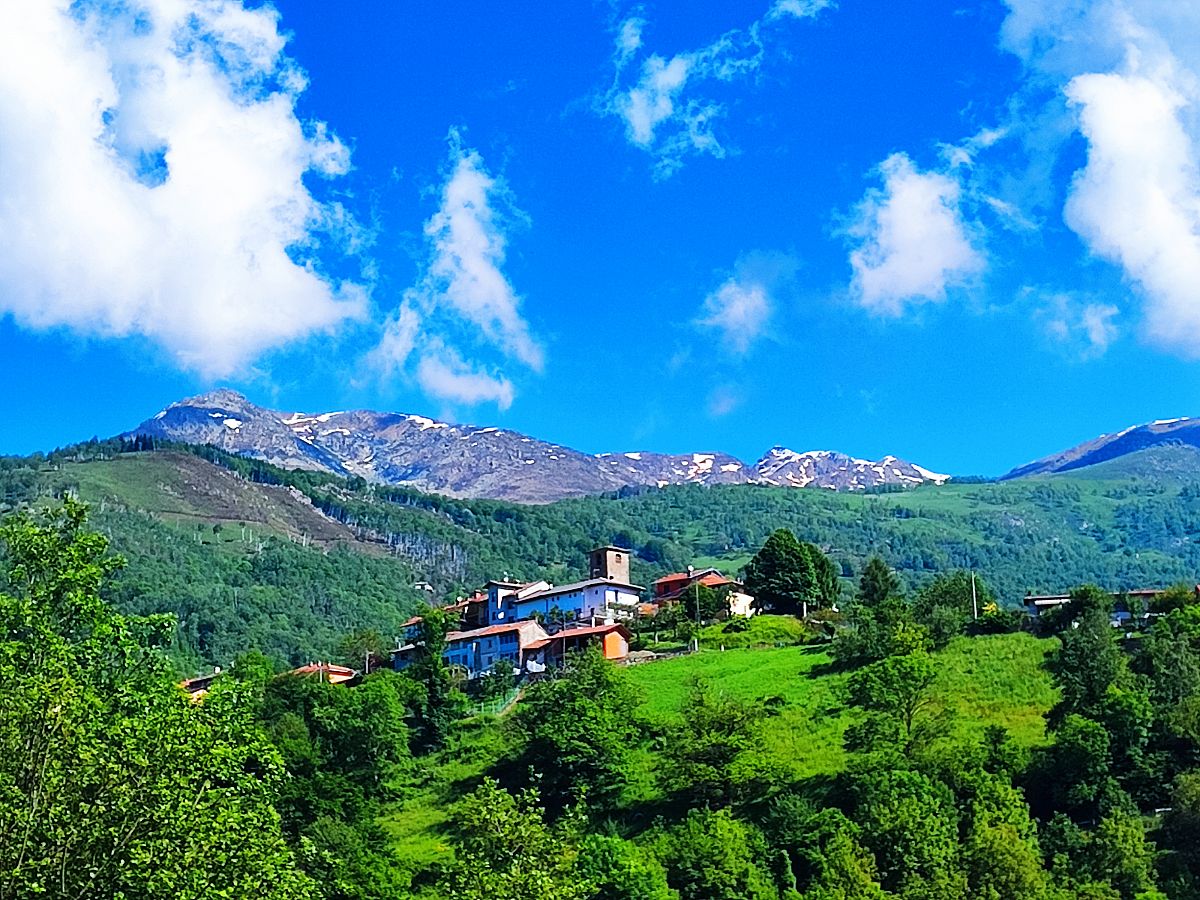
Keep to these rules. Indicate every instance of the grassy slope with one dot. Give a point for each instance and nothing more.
(186, 490)
(995, 679)
(986, 680)
(1112, 524)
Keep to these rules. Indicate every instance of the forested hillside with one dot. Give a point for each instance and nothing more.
(899, 749)
(247, 555)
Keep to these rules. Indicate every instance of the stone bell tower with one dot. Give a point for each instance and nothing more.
(611, 563)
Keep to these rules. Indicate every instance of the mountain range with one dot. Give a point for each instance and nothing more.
(1182, 432)
(488, 462)
(495, 463)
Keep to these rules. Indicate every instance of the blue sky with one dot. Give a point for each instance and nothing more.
(967, 235)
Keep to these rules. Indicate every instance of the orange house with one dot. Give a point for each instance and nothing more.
(613, 640)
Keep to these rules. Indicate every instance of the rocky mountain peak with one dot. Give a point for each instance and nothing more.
(470, 461)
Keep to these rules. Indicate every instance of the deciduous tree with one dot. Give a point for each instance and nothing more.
(578, 731)
(112, 781)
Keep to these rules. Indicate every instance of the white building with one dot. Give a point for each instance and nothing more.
(596, 598)
(607, 596)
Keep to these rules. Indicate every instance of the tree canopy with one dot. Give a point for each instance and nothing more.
(787, 576)
(112, 782)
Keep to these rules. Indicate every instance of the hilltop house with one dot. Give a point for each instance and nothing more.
(606, 596)
(474, 652)
(525, 645)
(674, 587)
(533, 624)
(613, 640)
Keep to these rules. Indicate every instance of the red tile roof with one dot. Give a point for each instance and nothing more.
(330, 672)
(490, 630)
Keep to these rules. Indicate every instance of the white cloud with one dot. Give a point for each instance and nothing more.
(629, 38)
(912, 242)
(1130, 70)
(400, 333)
(462, 285)
(1098, 328)
(1078, 325)
(468, 250)
(1137, 202)
(740, 310)
(801, 9)
(444, 374)
(651, 98)
(723, 400)
(151, 179)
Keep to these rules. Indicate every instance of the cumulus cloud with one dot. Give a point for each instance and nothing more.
(1130, 70)
(911, 239)
(152, 179)
(469, 242)
(462, 284)
(653, 99)
(1137, 202)
(739, 310)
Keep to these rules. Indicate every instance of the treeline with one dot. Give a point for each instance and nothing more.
(1038, 535)
(1032, 535)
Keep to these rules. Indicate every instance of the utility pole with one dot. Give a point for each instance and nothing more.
(974, 599)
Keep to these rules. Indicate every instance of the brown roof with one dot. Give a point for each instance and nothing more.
(490, 630)
(585, 631)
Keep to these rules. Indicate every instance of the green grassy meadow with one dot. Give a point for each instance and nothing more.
(987, 680)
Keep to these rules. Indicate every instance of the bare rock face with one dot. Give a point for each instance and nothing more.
(825, 468)
(466, 461)
(1162, 432)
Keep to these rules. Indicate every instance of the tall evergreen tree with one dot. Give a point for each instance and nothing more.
(439, 707)
(877, 584)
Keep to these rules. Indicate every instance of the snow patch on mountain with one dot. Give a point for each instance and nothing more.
(471, 461)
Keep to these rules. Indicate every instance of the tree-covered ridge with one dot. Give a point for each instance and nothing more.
(368, 545)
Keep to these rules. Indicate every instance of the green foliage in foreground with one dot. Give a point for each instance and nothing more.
(112, 783)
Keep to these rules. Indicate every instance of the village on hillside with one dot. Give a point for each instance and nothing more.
(524, 629)
(532, 626)
(527, 628)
